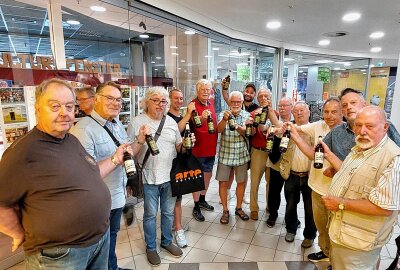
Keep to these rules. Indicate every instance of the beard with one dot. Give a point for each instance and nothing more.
(248, 99)
(364, 145)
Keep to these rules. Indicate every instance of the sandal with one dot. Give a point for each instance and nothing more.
(239, 212)
(225, 217)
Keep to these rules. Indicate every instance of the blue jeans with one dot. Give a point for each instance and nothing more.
(293, 186)
(153, 195)
(115, 221)
(93, 257)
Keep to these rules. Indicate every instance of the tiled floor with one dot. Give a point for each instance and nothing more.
(217, 246)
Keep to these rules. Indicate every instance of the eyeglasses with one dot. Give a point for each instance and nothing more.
(283, 105)
(111, 99)
(162, 102)
(84, 99)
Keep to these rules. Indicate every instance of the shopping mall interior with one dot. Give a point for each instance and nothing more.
(304, 50)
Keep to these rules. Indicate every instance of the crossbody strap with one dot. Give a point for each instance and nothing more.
(117, 143)
(158, 133)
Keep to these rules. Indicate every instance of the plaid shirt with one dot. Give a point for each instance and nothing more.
(233, 150)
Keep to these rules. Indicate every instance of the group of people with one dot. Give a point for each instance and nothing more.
(67, 184)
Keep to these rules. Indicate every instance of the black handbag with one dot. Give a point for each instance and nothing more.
(186, 174)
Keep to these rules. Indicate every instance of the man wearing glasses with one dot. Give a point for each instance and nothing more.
(85, 99)
(98, 143)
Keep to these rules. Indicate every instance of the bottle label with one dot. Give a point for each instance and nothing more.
(270, 144)
(284, 142)
(263, 117)
(231, 123)
(129, 166)
(248, 131)
(210, 126)
(197, 121)
(319, 157)
(187, 143)
(153, 145)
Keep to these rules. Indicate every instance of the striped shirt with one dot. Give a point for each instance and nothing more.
(387, 191)
(233, 150)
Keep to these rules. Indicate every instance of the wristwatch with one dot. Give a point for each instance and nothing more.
(114, 161)
(341, 204)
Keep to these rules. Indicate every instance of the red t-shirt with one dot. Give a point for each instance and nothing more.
(258, 140)
(206, 143)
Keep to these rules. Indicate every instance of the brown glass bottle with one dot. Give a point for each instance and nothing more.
(151, 143)
(256, 120)
(270, 140)
(231, 123)
(248, 130)
(196, 119)
(263, 115)
(187, 138)
(227, 82)
(210, 124)
(285, 141)
(319, 154)
(129, 165)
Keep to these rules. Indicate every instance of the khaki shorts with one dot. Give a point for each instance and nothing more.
(223, 172)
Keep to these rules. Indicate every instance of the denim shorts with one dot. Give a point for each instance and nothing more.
(207, 163)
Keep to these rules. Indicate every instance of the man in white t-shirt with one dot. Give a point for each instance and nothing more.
(156, 172)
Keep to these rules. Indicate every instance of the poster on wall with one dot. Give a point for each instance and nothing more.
(14, 114)
(13, 132)
(324, 74)
(12, 95)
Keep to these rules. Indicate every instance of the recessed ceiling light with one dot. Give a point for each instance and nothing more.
(323, 61)
(153, 62)
(156, 69)
(144, 36)
(364, 73)
(372, 65)
(301, 71)
(324, 42)
(363, 70)
(173, 47)
(288, 59)
(215, 49)
(376, 35)
(303, 67)
(208, 56)
(346, 64)
(190, 73)
(98, 8)
(376, 49)
(73, 22)
(274, 24)
(190, 32)
(179, 68)
(351, 17)
(158, 57)
(174, 53)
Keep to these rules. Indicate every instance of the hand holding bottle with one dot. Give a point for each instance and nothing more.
(118, 156)
(143, 131)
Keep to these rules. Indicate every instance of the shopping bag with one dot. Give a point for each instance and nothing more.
(186, 174)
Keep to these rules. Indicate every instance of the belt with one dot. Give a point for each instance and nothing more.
(259, 148)
(299, 174)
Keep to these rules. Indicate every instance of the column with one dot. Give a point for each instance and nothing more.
(56, 33)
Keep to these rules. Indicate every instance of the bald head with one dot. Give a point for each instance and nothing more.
(264, 97)
(285, 107)
(370, 126)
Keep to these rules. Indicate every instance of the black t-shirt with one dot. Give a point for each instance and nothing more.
(177, 120)
(251, 107)
(63, 199)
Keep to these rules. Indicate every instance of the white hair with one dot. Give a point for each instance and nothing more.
(152, 91)
(235, 94)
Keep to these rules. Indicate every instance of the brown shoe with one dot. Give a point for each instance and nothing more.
(254, 215)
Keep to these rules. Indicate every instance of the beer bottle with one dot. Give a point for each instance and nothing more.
(227, 82)
(231, 123)
(256, 120)
(263, 116)
(210, 124)
(129, 164)
(270, 139)
(248, 130)
(152, 145)
(285, 141)
(319, 154)
(196, 119)
(187, 138)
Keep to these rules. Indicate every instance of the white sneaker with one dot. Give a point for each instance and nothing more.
(180, 239)
(185, 227)
(246, 198)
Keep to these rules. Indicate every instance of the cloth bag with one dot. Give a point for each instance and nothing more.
(186, 174)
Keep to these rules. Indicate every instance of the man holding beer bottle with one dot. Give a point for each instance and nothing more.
(233, 153)
(206, 142)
